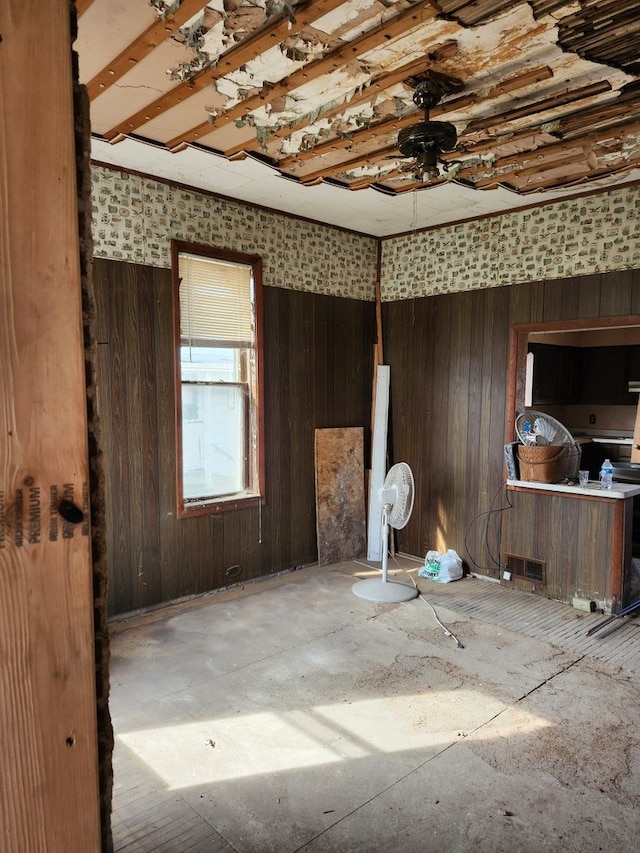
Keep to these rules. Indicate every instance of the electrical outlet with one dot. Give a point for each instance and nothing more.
(506, 576)
(592, 419)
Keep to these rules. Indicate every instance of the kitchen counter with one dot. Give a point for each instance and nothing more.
(593, 490)
(571, 543)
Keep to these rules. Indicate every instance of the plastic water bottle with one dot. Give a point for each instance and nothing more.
(606, 474)
(529, 437)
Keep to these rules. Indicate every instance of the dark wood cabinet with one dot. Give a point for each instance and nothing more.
(605, 376)
(593, 376)
(556, 374)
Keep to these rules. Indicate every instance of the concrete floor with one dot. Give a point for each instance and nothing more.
(295, 716)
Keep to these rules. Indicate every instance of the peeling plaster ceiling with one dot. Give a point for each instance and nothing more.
(298, 105)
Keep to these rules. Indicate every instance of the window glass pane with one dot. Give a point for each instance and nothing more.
(210, 364)
(213, 439)
(219, 395)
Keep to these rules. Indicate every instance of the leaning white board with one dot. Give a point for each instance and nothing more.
(378, 462)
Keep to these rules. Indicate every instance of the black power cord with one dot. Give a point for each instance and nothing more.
(488, 513)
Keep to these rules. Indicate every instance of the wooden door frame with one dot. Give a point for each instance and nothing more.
(49, 791)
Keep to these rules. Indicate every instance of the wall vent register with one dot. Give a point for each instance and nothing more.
(524, 567)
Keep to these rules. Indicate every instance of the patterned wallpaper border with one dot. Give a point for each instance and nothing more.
(134, 219)
(598, 233)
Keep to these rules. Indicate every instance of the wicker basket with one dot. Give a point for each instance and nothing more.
(549, 464)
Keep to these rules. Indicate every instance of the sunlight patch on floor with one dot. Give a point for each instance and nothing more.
(214, 750)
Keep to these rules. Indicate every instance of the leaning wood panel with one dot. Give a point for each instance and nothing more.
(48, 776)
(340, 495)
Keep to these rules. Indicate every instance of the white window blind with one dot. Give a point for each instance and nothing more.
(216, 307)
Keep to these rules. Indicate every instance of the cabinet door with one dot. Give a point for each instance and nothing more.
(546, 373)
(556, 373)
(569, 373)
(604, 377)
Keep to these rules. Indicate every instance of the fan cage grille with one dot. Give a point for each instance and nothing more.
(542, 424)
(400, 478)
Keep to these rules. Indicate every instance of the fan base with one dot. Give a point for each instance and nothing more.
(375, 589)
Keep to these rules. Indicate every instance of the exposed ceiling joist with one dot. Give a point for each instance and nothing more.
(160, 30)
(332, 61)
(245, 50)
(320, 89)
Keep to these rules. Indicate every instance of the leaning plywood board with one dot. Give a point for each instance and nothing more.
(340, 494)
(48, 775)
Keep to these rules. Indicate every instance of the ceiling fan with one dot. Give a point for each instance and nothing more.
(427, 140)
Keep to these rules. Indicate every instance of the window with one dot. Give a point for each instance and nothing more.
(217, 297)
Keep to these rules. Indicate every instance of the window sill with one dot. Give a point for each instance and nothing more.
(215, 507)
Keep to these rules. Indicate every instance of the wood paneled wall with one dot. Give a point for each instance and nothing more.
(318, 369)
(448, 357)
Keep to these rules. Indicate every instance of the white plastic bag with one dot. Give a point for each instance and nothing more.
(442, 568)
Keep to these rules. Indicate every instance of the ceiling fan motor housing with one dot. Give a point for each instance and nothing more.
(427, 136)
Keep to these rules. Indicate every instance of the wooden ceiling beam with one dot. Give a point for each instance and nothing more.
(557, 153)
(396, 124)
(353, 163)
(595, 15)
(587, 141)
(383, 82)
(390, 29)
(585, 44)
(82, 6)
(595, 18)
(245, 50)
(546, 7)
(544, 165)
(554, 149)
(509, 137)
(378, 84)
(565, 127)
(560, 183)
(358, 138)
(143, 45)
(470, 13)
(546, 104)
(624, 105)
(544, 183)
(560, 153)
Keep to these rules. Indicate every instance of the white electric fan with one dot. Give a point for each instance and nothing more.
(396, 496)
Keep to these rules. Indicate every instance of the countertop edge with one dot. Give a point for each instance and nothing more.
(619, 491)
